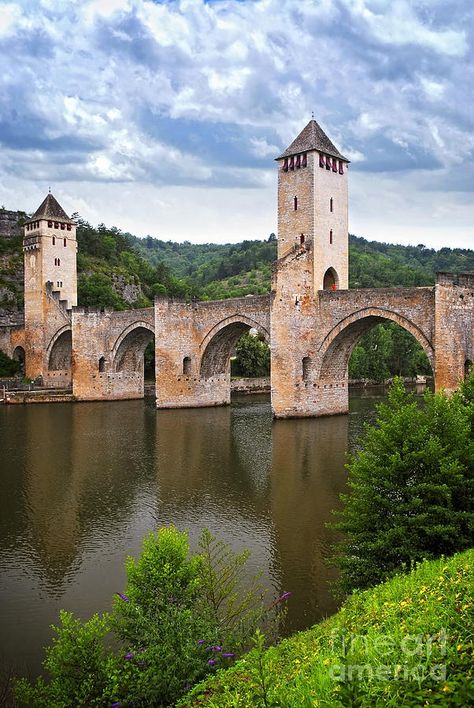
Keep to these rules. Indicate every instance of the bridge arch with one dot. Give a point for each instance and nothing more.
(217, 345)
(59, 351)
(129, 348)
(336, 348)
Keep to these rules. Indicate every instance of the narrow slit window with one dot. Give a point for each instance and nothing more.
(331, 204)
(306, 365)
(295, 203)
(54, 241)
(187, 366)
(301, 239)
(330, 236)
(65, 243)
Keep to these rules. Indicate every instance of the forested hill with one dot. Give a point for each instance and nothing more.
(121, 271)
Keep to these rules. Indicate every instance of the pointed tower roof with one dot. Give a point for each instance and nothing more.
(312, 137)
(51, 209)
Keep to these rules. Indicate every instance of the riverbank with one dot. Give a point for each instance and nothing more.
(405, 642)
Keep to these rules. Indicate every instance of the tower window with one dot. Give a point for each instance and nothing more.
(101, 364)
(56, 224)
(334, 164)
(321, 160)
(298, 161)
(285, 165)
(63, 226)
(69, 227)
(341, 167)
(54, 241)
(57, 261)
(330, 204)
(295, 203)
(292, 163)
(65, 242)
(304, 160)
(330, 236)
(328, 163)
(50, 224)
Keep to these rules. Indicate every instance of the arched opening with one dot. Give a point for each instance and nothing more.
(130, 352)
(187, 366)
(374, 348)
(306, 366)
(19, 356)
(60, 353)
(225, 342)
(468, 368)
(102, 364)
(330, 281)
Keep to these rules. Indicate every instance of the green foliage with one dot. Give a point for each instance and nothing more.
(252, 357)
(411, 487)
(182, 615)
(8, 367)
(387, 350)
(78, 663)
(407, 642)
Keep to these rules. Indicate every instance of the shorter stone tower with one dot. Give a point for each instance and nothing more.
(312, 205)
(50, 248)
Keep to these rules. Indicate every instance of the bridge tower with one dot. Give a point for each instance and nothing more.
(313, 256)
(49, 247)
(312, 206)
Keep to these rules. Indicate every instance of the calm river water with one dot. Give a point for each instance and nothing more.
(81, 484)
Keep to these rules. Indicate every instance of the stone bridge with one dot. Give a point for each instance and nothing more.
(193, 344)
(313, 338)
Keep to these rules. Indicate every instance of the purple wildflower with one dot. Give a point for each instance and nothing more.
(201, 641)
(140, 663)
(228, 654)
(122, 596)
(216, 648)
(129, 655)
(211, 662)
(115, 705)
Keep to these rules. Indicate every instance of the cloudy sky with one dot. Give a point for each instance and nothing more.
(163, 118)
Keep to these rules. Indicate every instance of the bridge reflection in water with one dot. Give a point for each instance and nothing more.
(83, 483)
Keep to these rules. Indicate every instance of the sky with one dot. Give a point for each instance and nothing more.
(164, 118)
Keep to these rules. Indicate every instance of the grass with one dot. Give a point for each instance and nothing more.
(406, 642)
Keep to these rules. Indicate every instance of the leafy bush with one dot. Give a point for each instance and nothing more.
(182, 615)
(252, 357)
(411, 487)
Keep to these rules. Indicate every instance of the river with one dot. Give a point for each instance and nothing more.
(83, 483)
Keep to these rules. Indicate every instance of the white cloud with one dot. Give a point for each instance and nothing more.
(192, 93)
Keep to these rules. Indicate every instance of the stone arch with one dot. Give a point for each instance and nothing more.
(219, 342)
(19, 356)
(129, 349)
(337, 346)
(59, 352)
(468, 368)
(330, 280)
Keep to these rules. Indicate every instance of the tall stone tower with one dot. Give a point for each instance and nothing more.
(49, 247)
(312, 205)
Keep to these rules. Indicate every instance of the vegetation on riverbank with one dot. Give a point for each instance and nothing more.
(407, 642)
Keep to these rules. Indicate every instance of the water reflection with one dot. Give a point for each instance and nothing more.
(83, 483)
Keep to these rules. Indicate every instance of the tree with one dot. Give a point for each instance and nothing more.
(411, 487)
(253, 357)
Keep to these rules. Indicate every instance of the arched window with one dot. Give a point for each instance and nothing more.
(331, 280)
(306, 364)
(295, 203)
(331, 204)
(102, 364)
(187, 366)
